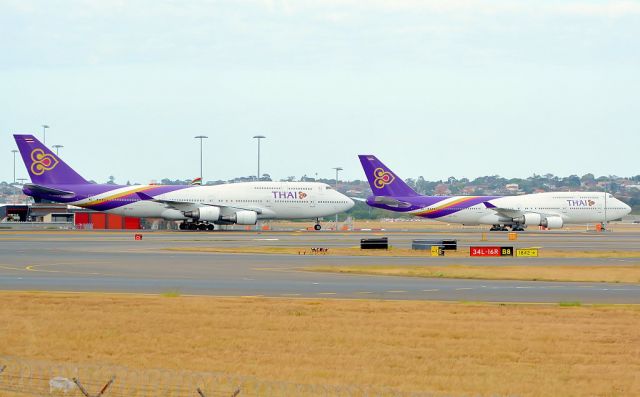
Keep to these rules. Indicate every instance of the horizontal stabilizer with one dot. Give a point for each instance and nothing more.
(48, 190)
(391, 202)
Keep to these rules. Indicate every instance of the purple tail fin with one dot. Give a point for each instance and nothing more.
(383, 182)
(44, 167)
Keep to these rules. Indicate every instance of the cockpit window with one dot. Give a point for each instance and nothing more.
(329, 188)
(611, 196)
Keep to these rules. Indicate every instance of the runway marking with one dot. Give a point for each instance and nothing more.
(327, 293)
(34, 268)
(364, 292)
(430, 290)
(289, 294)
(7, 267)
(396, 291)
(464, 288)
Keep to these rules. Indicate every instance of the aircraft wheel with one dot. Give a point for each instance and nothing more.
(202, 226)
(193, 226)
(317, 226)
(182, 226)
(210, 227)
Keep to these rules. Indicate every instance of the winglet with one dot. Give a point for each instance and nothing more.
(144, 196)
(489, 205)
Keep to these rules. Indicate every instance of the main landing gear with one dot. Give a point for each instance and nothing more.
(317, 226)
(503, 228)
(196, 226)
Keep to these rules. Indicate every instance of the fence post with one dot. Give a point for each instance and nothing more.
(100, 393)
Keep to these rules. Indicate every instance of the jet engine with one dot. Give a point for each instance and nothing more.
(244, 218)
(529, 219)
(210, 214)
(552, 222)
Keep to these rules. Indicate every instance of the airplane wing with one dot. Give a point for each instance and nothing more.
(506, 212)
(48, 190)
(391, 202)
(188, 206)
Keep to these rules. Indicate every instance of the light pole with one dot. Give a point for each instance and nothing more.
(338, 169)
(201, 137)
(44, 133)
(259, 137)
(57, 147)
(14, 151)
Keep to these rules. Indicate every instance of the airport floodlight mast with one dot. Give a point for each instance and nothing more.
(259, 137)
(201, 137)
(44, 133)
(338, 169)
(14, 151)
(57, 147)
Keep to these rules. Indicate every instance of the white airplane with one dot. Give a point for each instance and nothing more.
(200, 207)
(551, 210)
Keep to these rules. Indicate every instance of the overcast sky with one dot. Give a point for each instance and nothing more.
(433, 88)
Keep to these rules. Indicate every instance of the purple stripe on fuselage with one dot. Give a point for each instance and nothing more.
(83, 192)
(424, 202)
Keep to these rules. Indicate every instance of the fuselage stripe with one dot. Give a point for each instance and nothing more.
(445, 206)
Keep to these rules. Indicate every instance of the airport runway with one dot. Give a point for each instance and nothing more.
(115, 262)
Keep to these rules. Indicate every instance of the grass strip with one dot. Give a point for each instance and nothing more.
(596, 274)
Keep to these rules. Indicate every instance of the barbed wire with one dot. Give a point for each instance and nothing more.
(45, 378)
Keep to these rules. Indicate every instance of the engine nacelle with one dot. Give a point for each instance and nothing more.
(209, 214)
(552, 222)
(529, 219)
(245, 218)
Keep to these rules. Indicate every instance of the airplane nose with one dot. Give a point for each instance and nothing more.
(627, 209)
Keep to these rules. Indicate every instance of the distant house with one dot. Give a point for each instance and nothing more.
(442, 190)
(512, 187)
(468, 190)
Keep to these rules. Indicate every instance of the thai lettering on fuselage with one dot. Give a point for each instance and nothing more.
(581, 203)
(289, 195)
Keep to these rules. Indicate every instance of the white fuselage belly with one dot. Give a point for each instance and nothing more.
(277, 200)
(572, 207)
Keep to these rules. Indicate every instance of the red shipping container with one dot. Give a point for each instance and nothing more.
(131, 223)
(114, 221)
(99, 220)
(81, 218)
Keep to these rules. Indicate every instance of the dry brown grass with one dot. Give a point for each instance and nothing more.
(526, 350)
(610, 274)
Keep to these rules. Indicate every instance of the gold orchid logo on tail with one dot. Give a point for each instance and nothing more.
(42, 162)
(382, 178)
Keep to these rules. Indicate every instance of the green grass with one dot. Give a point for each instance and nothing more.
(171, 294)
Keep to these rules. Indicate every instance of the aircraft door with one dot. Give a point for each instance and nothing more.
(315, 194)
